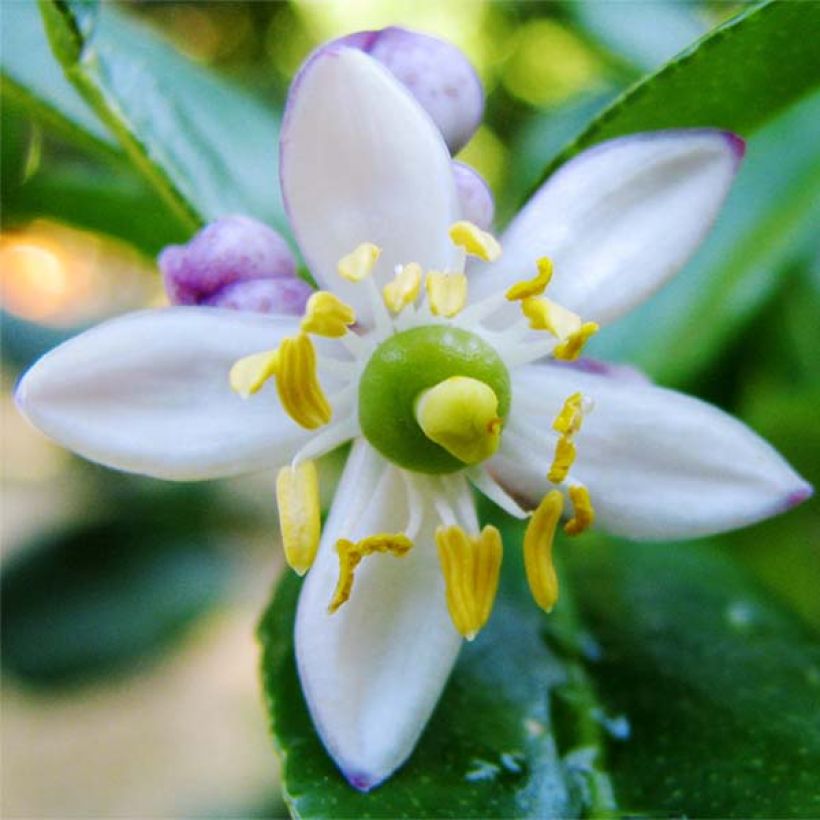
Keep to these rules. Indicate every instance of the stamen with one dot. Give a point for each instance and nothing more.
(471, 568)
(249, 373)
(570, 349)
(351, 554)
(583, 513)
(297, 383)
(404, 287)
(544, 314)
(568, 422)
(461, 415)
(571, 416)
(297, 497)
(538, 541)
(446, 292)
(359, 263)
(483, 481)
(327, 315)
(562, 460)
(532, 287)
(475, 241)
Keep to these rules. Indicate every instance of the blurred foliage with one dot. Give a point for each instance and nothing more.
(681, 679)
(98, 599)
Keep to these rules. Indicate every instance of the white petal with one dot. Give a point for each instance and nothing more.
(373, 671)
(362, 162)
(658, 464)
(148, 393)
(619, 219)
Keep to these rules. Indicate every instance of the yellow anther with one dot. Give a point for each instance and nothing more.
(535, 286)
(570, 349)
(475, 241)
(471, 566)
(327, 315)
(249, 373)
(538, 541)
(446, 292)
(545, 314)
(298, 385)
(404, 287)
(351, 554)
(358, 264)
(571, 416)
(583, 513)
(461, 415)
(297, 497)
(562, 461)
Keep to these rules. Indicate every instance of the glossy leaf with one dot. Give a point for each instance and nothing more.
(207, 147)
(32, 76)
(737, 77)
(717, 684)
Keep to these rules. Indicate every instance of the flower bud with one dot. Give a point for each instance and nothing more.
(235, 262)
(278, 295)
(474, 195)
(435, 72)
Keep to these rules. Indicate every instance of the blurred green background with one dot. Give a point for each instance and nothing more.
(129, 605)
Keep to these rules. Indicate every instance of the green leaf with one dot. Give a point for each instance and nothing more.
(737, 77)
(84, 603)
(32, 76)
(99, 198)
(718, 683)
(207, 147)
(491, 748)
(768, 224)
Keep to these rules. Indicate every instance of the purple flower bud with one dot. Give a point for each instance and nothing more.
(278, 295)
(230, 251)
(437, 74)
(474, 195)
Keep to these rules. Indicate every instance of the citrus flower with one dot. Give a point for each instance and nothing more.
(451, 360)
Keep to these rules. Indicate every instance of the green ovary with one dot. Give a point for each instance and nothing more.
(401, 369)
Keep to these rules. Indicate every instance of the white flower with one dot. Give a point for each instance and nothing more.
(370, 192)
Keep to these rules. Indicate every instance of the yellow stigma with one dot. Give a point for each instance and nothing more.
(583, 513)
(249, 373)
(475, 241)
(570, 349)
(532, 287)
(327, 315)
(403, 288)
(351, 554)
(538, 542)
(562, 461)
(471, 567)
(359, 263)
(446, 292)
(297, 497)
(298, 385)
(461, 415)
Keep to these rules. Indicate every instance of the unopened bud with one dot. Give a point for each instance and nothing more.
(234, 262)
(277, 295)
(474, 195)
(436, 73)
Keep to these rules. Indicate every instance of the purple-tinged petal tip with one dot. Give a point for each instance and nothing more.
(797, 497)
(736, 143)
(361, 782)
